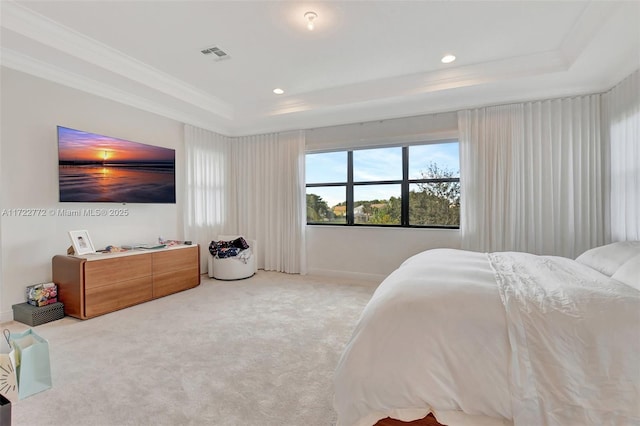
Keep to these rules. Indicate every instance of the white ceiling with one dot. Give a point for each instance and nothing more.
(365, 60)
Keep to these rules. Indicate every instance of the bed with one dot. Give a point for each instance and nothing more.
(487, 339)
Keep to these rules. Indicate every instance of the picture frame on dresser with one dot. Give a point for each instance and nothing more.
(81, 242)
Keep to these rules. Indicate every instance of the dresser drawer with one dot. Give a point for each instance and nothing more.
(99, 273)
(175, 260)
(172, 282)
(100, 300)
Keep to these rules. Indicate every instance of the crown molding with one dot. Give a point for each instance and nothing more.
(585, 28)
(29, 65)
(24, 21)
(422, 83)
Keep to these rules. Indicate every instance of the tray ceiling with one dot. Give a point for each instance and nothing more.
(363, 61)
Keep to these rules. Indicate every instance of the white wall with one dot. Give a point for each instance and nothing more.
(369, 253)
(31, 110)
(374, 252)
(420, 128)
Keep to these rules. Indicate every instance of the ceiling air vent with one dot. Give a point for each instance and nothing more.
(216, 53)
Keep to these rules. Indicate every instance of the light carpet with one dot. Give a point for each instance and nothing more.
(260, 351)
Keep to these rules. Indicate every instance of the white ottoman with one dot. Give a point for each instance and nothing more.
(234, 268)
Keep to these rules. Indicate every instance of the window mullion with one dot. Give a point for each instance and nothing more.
(404, 188)
(350, 215)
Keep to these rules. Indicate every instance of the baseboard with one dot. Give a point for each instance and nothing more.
(6, 316)
(377, 278)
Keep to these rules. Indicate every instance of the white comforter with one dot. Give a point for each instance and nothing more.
(494, 339)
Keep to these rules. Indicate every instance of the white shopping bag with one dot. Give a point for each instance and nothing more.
(8, 376)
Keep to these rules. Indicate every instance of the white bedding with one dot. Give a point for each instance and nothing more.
(436, 337)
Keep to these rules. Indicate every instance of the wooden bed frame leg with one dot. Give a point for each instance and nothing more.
(426, 421)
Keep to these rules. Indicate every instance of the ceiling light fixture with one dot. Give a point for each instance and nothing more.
(447, 59)
(310, 17)
(278, 91)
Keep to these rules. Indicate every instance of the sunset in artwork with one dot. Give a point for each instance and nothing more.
(97, 168)
(78, 146)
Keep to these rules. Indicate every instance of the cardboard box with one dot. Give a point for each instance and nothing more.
(42, 294)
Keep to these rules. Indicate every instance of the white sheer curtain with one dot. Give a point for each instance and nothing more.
(488, 137)
(531, 177)
(252, 186)
(621, 130)
(207, 183)
(268, 190)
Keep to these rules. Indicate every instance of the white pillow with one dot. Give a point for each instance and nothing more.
(607, 259)
(629, 273)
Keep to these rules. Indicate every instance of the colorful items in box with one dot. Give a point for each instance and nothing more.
(42, 294)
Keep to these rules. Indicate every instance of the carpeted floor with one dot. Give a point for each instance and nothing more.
(261, 351)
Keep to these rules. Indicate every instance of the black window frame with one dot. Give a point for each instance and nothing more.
(405, 183)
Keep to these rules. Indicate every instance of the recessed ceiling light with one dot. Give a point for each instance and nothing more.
(278, 91)
(447, 59)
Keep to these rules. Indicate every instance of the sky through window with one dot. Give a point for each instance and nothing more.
(376, 164)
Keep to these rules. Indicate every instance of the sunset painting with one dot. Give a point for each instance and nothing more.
(97, 168)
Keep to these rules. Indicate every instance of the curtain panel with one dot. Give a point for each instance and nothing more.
(208, 175)
(268, 196)
(253, 186)
(531, 177)
(621, 133)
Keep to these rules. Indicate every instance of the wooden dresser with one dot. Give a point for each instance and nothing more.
(97, 284)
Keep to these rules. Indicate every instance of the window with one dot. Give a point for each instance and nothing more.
(327, 187)
(415, 185)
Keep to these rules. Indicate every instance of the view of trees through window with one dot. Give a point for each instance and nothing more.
(368, 187)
